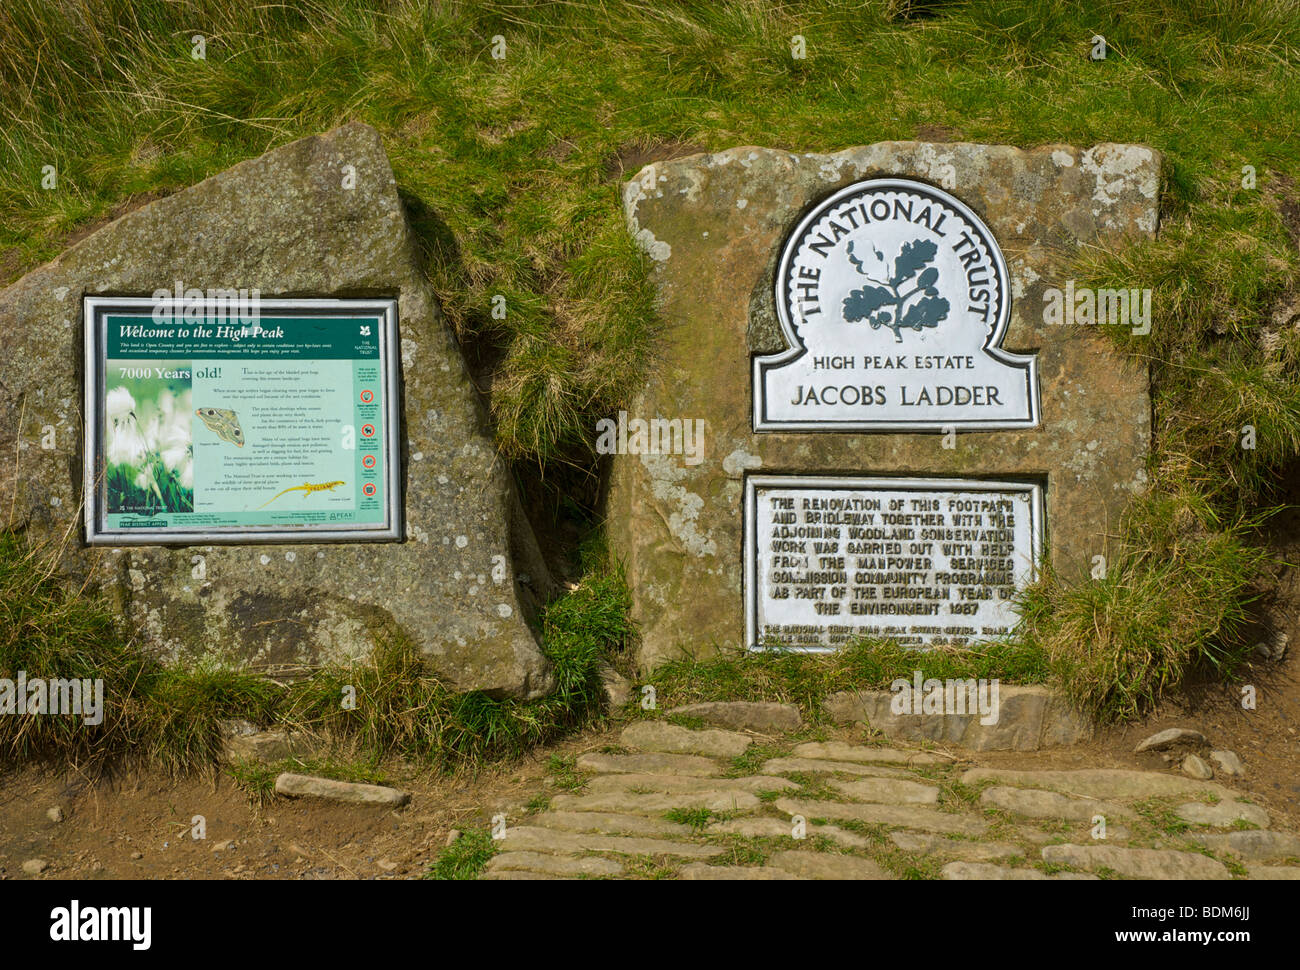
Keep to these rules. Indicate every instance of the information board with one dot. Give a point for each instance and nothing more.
(221, 420)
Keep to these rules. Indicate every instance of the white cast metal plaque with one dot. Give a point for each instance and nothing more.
(921, 561)
(893, 298)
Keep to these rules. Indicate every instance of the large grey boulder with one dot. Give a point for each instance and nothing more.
(286, 225)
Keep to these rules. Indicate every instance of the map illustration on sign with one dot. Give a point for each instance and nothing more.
(893, 298)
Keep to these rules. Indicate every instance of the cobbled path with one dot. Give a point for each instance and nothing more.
(675, 802)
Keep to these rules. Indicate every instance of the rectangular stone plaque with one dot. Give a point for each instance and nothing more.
(921, 561)
(228, 419)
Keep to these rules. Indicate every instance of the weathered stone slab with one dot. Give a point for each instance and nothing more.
(656, 802)
(1098, 782)
(699, 871)
(309, 786)
(1228, 764)
(670, 738)
(517, 875)
(778, 766)
(984, 871)
(826, 865)
(287, 225)
(608, 823)
(1222, 814)
(1138, 863)
(242, 741)
(924, 819)
(1253, 845)
(714, 226)
(865, 754)
(1195, 767)
(1035, 803)
(674, 784)
(528, 838)
(894, 791)
(1273, 872)
(775, 828)
(1168, 738)
(1028, 718)
(650, 764)
(763, 827)
(761, 716)
(959, 849)
(553, 864)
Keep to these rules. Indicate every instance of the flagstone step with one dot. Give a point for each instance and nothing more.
(608, 823)
(1099, 782)
(865, 754)
(889, 790)
(554, 865)
(655, 763)
(924, 819)
(673, 739)
(528, 838)
(1138, 863)
(656, 803)
(675, 784)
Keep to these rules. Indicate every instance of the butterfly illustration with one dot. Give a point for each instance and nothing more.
(223, 423)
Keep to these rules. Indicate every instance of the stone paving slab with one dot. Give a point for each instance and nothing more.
(816, 766)
(656, 803)
(1099, 782)
(1223, 815)
(672, 739)
(527, 838)
(650, 764)
(826, 865)
(554, 865)
(1036, 803)
(889, 790)
(502, 875)
(985, 871)
(1138, 863)
(674, 784)
(700, 871)
(609, 823)
(960, 849)
(865, 754)
(1253, 846)
(762, 716)
(1273, 872)
(925, 819)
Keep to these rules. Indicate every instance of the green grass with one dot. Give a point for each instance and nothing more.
(695, 818)
(511, 171)
(259, 779)
(464, 858)
(1171, 605)
(169, 717)
(805, 679)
